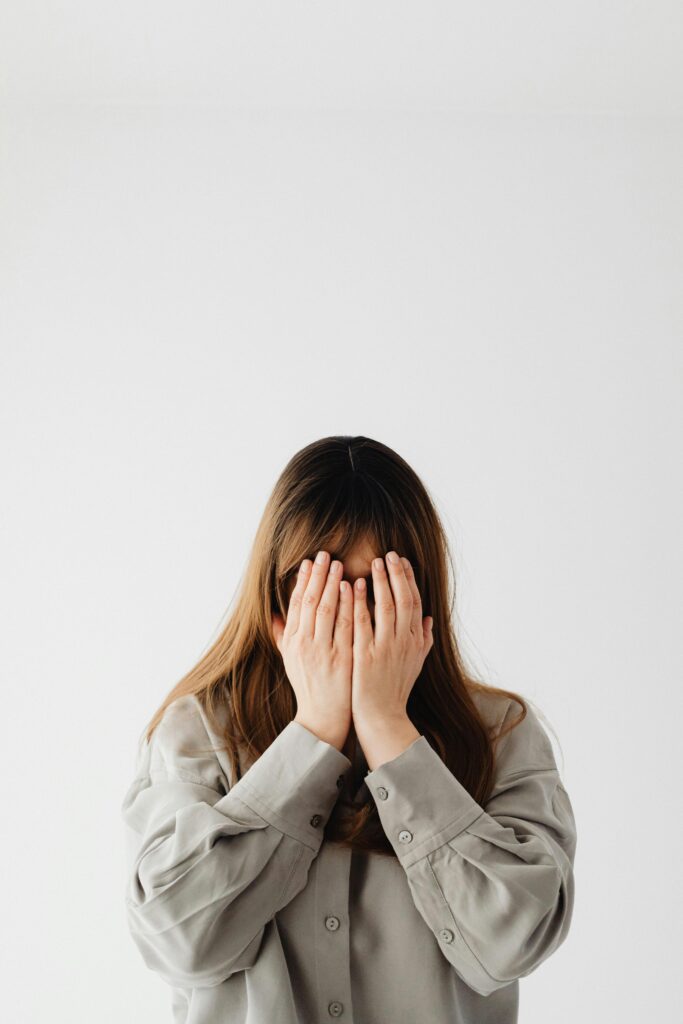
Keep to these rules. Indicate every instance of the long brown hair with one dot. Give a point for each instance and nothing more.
(333, 494)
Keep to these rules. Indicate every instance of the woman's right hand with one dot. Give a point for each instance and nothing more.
(316, 644)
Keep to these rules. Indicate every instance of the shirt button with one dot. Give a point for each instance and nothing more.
(332, 923)
(315, 820)
(446, 934)
(405, 836)
(382, 793)
(340, 782)
(335, 1009)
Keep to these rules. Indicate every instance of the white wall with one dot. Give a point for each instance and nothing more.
(190, 292)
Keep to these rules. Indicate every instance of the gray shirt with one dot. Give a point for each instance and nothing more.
(235, 899)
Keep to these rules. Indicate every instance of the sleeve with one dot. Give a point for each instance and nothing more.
(495, 884)
(208, 868)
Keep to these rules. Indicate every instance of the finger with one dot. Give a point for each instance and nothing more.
(428, 633)
(362, 624)
(403, 598)
(343, 626)
(296, 597)
(311, 596)
(416, 618)
(385, 612)
(327, 606)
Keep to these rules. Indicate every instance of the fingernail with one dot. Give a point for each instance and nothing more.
(378, 564)
(393, 557)
(320, 557)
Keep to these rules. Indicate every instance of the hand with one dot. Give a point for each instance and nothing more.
(387, 663)
(316, 644)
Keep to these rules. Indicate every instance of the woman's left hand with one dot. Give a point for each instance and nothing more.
(387, 662)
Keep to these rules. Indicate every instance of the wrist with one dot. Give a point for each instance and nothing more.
(384, 737)
(378, 720)
(331, 733)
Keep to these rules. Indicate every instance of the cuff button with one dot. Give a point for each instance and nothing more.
(446, 934)
(315, 820)
(405, 836)
(382, 793)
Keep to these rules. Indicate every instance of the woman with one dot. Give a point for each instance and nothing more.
(330, 817)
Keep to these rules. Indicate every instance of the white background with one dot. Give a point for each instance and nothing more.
(230, 229)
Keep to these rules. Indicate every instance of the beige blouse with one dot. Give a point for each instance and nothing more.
(237, 901)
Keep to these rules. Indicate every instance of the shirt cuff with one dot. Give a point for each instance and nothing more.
(420, 802)
(295, 783)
